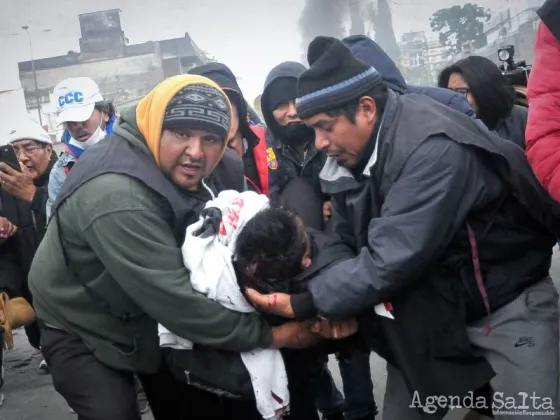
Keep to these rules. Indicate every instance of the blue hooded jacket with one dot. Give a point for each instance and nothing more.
(369, 52)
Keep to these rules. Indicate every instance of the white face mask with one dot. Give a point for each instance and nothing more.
(95, 138)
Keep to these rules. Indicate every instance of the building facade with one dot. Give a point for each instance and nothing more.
(125, 73)
(437, 58)
(421, 59)
(414, 58)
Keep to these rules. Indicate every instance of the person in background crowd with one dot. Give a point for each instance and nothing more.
(291, 152)
(295, 165)
(453, 236)
(543, 92)
(489, 94)
(247, 140)
(291, 156)
(23, 196)
(110, 267)
(87, 119)
(367, 50)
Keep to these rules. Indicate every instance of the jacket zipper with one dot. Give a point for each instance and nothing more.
(34, 220)
(306, 162)
(303, 164)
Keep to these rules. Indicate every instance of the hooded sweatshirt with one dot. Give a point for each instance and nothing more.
(284, 162)
(254, 159)
(110, 266)
(371, 53)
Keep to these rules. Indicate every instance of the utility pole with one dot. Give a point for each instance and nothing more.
(26, 28)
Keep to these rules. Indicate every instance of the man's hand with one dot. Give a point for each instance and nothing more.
(327, 211)
(18, 184)
(335, 330)
(275, 304)
(294, 335)
(7, 228)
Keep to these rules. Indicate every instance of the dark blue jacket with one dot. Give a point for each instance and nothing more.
(369, 52)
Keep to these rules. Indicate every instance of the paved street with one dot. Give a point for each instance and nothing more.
(29, 394)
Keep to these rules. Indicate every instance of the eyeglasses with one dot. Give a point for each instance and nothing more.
(28, 150)
(461, 91)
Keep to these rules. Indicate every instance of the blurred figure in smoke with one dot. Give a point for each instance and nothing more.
(489, 94)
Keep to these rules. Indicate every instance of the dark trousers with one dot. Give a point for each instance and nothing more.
(300, 384)
(97, 392)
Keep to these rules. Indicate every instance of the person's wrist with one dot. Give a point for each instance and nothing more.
(268, 338)
(278, 337)
(30, 194)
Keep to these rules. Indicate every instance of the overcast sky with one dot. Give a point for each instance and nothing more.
(250, 36)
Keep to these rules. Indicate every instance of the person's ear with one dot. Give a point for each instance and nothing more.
(368, 108)
(306, 263)
(49, 149)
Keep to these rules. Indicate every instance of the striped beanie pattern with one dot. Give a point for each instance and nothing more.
(335, 77)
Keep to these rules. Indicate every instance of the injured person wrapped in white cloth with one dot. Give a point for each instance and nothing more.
(209, 260)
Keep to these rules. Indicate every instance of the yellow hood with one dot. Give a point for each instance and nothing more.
(151, 109)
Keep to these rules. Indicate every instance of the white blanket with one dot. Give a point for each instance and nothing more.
(209, 262)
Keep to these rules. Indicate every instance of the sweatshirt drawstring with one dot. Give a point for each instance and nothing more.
(209, 190)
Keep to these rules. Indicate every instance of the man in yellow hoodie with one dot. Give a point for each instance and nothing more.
(110, 267)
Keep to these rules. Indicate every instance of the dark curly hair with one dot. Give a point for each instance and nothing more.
(269, 250)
